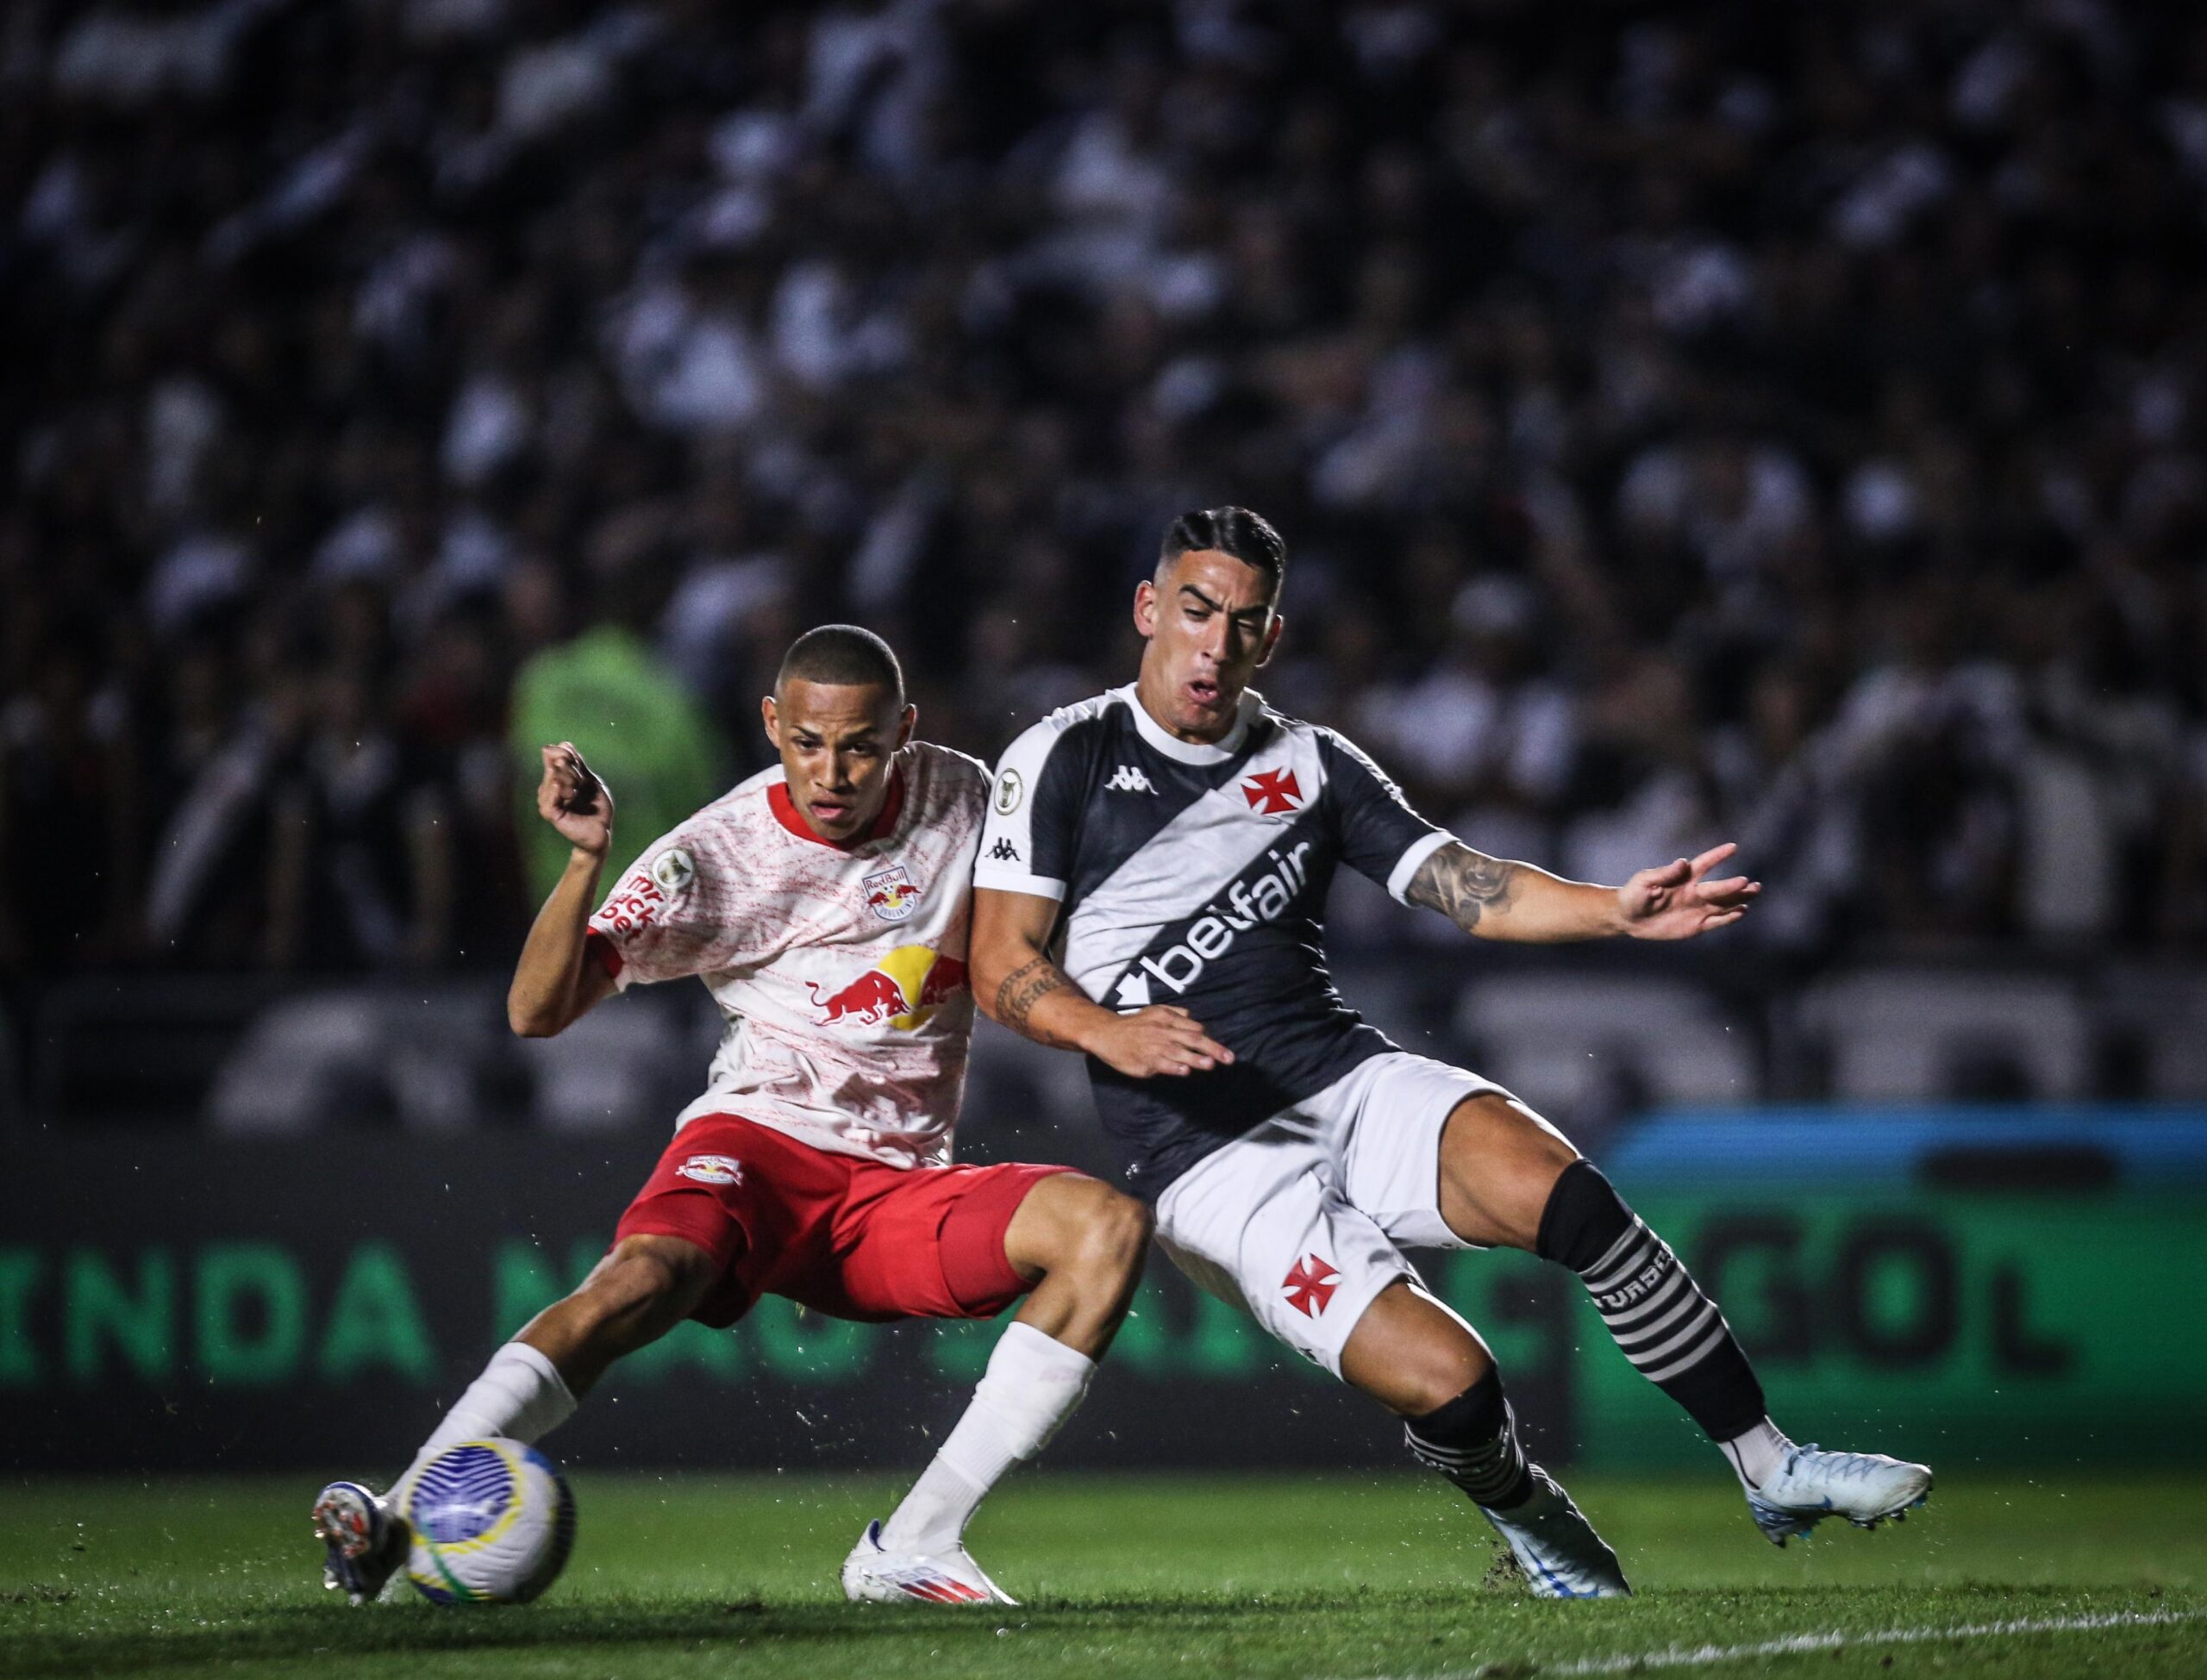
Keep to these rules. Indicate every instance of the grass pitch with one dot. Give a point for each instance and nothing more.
(1309, 1579)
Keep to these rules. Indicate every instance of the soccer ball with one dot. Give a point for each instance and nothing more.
(492, 1522)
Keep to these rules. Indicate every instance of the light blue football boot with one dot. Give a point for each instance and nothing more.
(1865, 1488)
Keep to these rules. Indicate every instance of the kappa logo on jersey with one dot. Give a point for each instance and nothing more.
(891, 894)
(1311, 1285)
(1272, 791)
(712, 1170)
(1003, 851)
(904, 990)
(1127, 779)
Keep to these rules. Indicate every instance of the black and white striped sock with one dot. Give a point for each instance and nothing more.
(1660, 1319)
(1673, 1334)
(1473, 1440)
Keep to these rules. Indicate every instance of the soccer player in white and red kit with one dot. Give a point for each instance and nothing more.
(825, 902)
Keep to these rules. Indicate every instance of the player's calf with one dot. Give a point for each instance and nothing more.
(645, 1286)
(1676, 1337)
(1650, 1304)
(1083, 1244)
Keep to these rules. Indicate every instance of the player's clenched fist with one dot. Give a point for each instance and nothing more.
(572, 800)
(1160, 1039)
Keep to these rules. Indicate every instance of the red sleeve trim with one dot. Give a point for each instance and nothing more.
(594, 944)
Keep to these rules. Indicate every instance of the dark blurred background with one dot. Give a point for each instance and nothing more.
(1769, 421)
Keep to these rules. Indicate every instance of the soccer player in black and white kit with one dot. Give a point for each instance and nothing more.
(1149, 891)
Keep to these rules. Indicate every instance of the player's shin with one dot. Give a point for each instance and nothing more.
(1472, 1441)
(520, 1396)
(1031, 1388)
(1675, 1335)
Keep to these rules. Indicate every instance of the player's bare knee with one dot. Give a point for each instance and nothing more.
(1499, 1161)
(1114, 1239)
(1090, 1232)
(1439, 1371)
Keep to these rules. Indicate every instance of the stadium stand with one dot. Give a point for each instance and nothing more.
(1775, 423)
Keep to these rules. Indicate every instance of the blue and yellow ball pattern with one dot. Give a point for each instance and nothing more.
(492, 1522)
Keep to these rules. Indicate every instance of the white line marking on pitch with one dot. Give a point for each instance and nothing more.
(1794, 1645)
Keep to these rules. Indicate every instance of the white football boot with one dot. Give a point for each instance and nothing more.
(1561, 1555)
(872, 1574)
(366, 1541)
(1865, 1488)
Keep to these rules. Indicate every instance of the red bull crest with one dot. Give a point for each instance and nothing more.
(902, 991)
(891, 894)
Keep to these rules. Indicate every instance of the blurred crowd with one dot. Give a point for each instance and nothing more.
(1774, 421)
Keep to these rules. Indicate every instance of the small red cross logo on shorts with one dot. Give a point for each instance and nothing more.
(1272, 791)
(1311, 1285)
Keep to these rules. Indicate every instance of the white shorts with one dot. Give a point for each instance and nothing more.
(1299, 1223)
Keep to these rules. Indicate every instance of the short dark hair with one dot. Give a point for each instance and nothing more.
(843, 656)
(1249, 538)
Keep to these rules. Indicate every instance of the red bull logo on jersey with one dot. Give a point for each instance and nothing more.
(890, 894)
(712, 1170)
(902, 991)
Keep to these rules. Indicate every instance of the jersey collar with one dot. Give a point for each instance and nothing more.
(786, 813)
(1196, 751)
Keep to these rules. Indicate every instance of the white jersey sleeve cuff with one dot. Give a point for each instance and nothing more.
(1017, 880)
(1398, 878)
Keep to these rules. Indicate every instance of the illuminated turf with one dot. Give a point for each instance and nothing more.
(1345, 1576)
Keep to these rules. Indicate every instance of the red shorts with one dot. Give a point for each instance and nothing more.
(843, 1234)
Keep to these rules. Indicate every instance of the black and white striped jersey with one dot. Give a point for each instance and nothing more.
(1196, 875)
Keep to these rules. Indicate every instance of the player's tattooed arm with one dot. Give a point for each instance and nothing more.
(1020, 984)
(1464, 885)
(1495, 898)
(1021, 989)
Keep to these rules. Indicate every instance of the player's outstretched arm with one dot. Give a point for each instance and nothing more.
(1017, 985)
(1494, 898)
(553, 985)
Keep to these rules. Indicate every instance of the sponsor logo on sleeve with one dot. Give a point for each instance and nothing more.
(1003, 851)
(635, 905)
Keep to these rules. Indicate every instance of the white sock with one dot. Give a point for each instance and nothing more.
(1031, 1386)
(1758, 1455)
(520, 1396)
